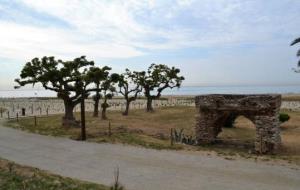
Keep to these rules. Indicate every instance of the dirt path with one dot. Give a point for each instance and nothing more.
(141, 168)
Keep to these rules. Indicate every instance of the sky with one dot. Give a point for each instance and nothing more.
(213, 42)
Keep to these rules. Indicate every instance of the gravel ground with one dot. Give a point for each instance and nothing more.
(142, 168)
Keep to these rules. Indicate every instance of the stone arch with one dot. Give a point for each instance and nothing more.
(262, 110)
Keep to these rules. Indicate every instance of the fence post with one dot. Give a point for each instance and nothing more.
(8, 114)
(17, 117)
(1, 112)
(109, 129)
(47, 111)
(35, 121)
(171, 137)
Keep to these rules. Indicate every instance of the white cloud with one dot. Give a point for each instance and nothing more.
(117, 29)
(25, 42)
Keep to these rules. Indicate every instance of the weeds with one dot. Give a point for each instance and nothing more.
(17, 177)
(117, 185)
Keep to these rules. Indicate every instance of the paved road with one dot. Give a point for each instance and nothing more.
(142, 169)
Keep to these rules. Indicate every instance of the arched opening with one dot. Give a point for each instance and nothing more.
(239, 132)
(261, 109)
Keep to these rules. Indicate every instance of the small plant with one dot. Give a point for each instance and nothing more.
(179, 136)
(283, 117)
(188, 139)
(10, 167)
(116, 185)
(176, 135)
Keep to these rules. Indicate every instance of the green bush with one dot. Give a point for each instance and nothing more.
(283, 117)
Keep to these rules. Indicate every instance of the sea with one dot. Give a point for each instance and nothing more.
(184, 90)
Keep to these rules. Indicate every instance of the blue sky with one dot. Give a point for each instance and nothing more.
(213, 42)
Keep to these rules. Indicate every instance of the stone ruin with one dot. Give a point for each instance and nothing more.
(263, 110)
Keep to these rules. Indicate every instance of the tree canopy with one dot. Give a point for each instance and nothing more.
(297, 40)
(157, 78)
(108, 91)
(63, 77)
(97, 76)
(129, 87)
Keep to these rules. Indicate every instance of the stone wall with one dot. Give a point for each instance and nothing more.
(262, 110)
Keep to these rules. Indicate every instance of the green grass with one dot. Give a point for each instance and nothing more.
(17, 177)
(140, 140)
(45, 126)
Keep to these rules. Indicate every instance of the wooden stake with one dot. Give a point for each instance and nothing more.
(109, 129)
(171, 137)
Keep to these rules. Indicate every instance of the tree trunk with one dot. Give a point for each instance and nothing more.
(127, 108)
(104, 106)
(96, 107)
(103, 116)
(69, 119)
(149, 105)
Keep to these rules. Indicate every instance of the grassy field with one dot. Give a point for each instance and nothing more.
(17, 177)
(152, 130)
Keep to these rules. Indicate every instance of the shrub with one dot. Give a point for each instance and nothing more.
(283, 117)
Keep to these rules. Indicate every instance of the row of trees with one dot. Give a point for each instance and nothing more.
(76, 80)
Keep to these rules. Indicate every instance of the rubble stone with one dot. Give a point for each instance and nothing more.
(262, 109)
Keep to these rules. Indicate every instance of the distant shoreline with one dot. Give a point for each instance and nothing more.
(285, 90)
(285, 97)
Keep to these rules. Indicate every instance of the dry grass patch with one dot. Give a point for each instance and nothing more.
(290, 135)
(291, 97)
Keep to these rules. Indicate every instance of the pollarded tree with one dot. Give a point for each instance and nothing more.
(97, 76)
(129, 87)
(298, 53)
(63, 77)
(156, 79)
(108, 91)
